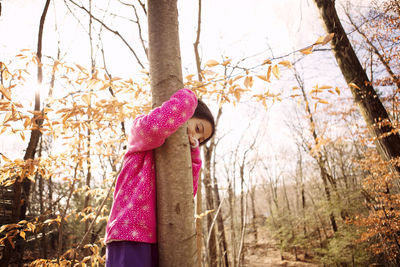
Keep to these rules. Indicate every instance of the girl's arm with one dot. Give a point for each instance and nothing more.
(196, 166)
(150, 131)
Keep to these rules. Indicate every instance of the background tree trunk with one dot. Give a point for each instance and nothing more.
(365, 96)
(212, 244)
(175, 213)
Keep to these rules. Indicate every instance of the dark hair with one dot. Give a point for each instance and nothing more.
(203, 112)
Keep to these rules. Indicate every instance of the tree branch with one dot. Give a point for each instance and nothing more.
(109, 29)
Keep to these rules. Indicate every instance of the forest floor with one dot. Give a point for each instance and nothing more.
(267, 253)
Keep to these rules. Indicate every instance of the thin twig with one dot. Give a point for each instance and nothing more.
(109, 29)
(213, 222)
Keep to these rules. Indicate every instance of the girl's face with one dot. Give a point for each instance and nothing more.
(198, 130)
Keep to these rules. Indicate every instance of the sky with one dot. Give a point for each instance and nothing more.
(235, 28)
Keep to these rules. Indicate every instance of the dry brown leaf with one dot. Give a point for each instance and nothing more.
(327, 38)
(211, 63)
(276, 72)
(307, 50)
(5, 92)
(286, 63)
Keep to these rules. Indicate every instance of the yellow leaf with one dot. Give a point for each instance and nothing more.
(208, 72)
(211, 63)
(354, 85)
(22, 136)
(105, 86)
(27, 122)
(237, 95)
(5, 158)
(286, 63)
(276, 72)
(48, 221)
(6, 74)
(189, 77)
(81, 68)
(337, 91)
(22, 234)
(325, 87)
(226, 62)
(263, 77)
(31, 227)
(18, 105)
(248, 81)
(237, 78)
(86, 98)
(115, 79)
(295, 88)
(307, 50)
(267, 61)
(323, 101)
(3, 130)
(269, 73)
(5, 92)
(320, 40)
(327, 39)
(7, 117)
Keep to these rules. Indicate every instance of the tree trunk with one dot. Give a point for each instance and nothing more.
(43, 240)
(253, 211)
(89, 133)
(212, 245)
(175, 209)
(242, 214)
(372, 109)
(232, 213)
(318, 156)
(223, 247)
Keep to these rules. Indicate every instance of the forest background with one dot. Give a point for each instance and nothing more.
(292, 155)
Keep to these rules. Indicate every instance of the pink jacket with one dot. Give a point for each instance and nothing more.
(133, 213)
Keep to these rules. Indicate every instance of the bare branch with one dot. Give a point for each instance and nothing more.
(109, 29)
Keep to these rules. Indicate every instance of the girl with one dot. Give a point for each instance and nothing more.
(131, 228)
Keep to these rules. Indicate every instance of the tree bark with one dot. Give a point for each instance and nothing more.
(175, 209)
(212, 245)
(254, 214)
(372, 109)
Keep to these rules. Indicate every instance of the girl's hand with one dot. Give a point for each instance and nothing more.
(193, 142)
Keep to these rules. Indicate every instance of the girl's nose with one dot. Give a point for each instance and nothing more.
(193, 141)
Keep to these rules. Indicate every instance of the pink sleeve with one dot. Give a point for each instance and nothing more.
(150, 131)
(196, 166)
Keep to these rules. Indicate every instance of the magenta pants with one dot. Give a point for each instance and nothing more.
(131, 254)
